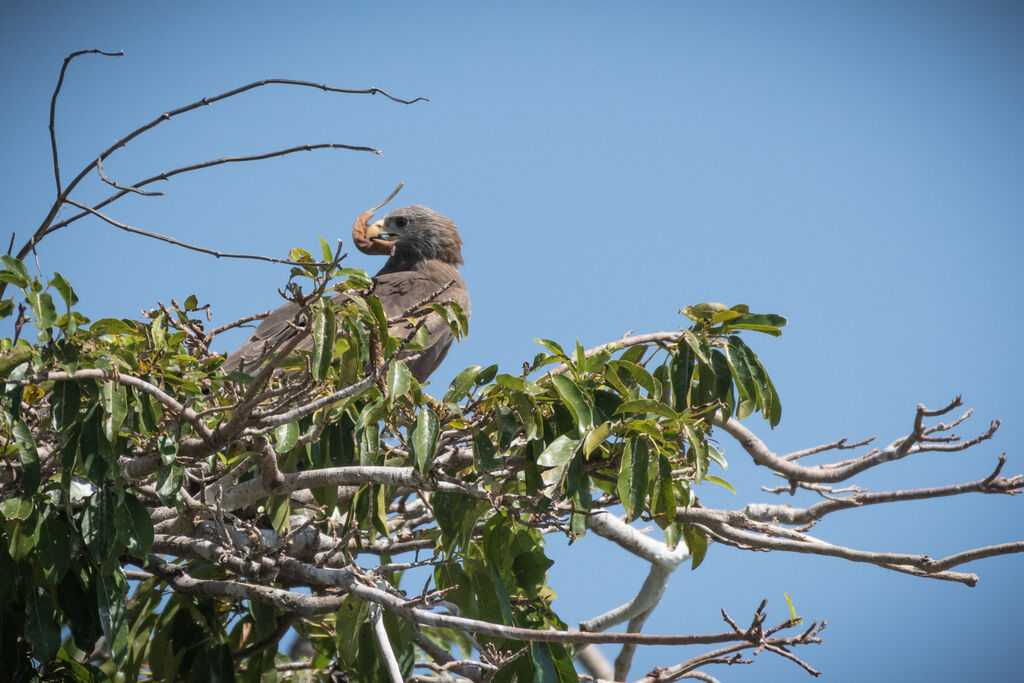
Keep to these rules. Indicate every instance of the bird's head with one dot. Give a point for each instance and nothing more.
(413, 233)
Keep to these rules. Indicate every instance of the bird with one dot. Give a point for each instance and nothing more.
(424, 250)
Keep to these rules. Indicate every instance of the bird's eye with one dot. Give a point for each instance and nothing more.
(401, 222)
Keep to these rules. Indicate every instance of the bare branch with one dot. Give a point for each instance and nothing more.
(179, 243)
(53, 112)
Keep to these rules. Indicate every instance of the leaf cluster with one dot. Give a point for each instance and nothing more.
(130, 453)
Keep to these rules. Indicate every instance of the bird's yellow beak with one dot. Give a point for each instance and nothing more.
(375, 230)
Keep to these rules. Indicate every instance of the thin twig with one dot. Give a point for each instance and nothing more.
(185, 245)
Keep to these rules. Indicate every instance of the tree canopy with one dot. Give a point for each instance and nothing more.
(162, 518)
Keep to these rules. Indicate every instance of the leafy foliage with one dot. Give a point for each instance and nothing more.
(156, 507)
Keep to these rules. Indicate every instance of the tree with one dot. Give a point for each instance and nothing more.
(163, 519)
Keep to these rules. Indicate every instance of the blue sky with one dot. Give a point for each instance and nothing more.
(856, 167)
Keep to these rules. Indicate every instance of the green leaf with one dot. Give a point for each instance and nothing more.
(65, 403)
(399, 380)
(639, 375)
(792, 610)
(742, 375)
(97, 525)
(462, 383)
(484, 452)
(140, 531)
(285, 437)
(647, 405)
(716, 455)
(115, 408)
(279, 511)
(769, 323)
(16, 273)
(66, 292)
(663, 500)
(697, 542)
(57, 546)
(525, 408)
(721, 482)
(423, 440)
(558, 452)
(111, 589)
(168, 484)
(325, 250)
(697, 346)
(554, 347)
(573, 398)
(767, 398)
(487, 374)
(113, 326)
(632, 481)
(19, 508)
(596, 437)
(556, 457)
(518, 384)
(41, 628)
(325, 329)
(43, 309)
(167, 447)
(29, 457)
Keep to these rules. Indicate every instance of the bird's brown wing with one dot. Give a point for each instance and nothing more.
(279, 325)
(398, 293)
(402, 291)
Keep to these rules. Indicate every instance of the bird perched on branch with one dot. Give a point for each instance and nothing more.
(424, 249)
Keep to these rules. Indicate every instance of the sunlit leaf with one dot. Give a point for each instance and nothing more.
(573, 398)
(423, 440)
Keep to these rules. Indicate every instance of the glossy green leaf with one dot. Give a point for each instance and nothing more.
(484, 452)
(111, 589)
(326, 253)
(639, 375)
(167, 447)
(140, 531)
(518, 384)
(742, 376)
(645, 406)
(554, 347)
(525, 408)
(487, 374)
(557, 452)
(556, 458)
(325, 329)
(462, 383)
(29, 457)
(115, 408)
(721, 482)
(632, 481)
(41, 628)
(113, 326)
(698, 347)
(65, 404)
(15, 272)
(573, 398)
(423, 440)
(168, 484)
(697, 542)
(279, 511)
(65, 290)
(57, 544)
(285, 437)
(769, 323)
(596, 437)
(716, 456)
(399, 380)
